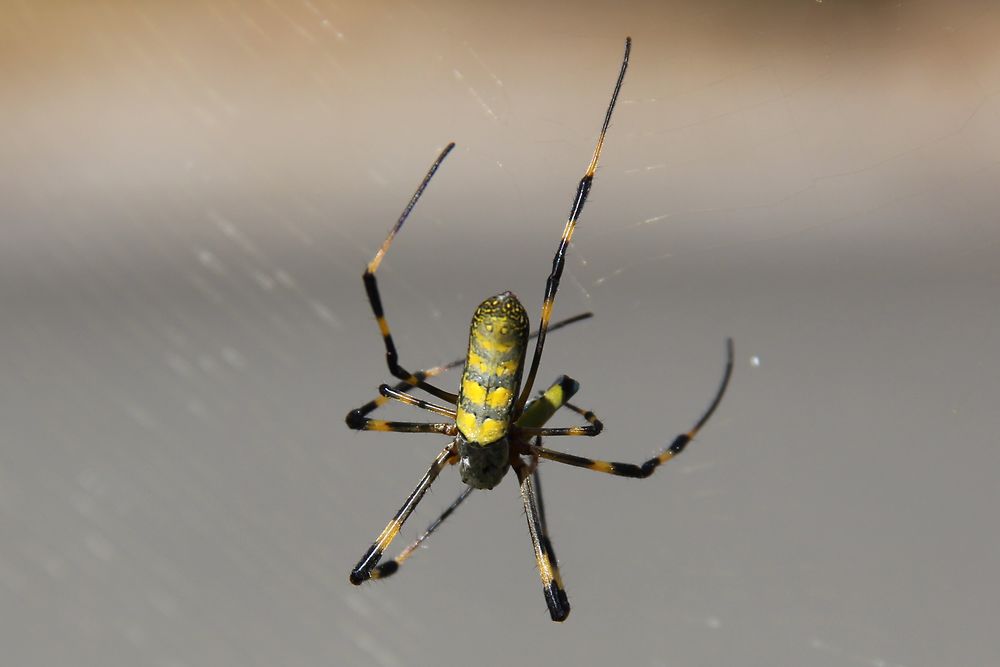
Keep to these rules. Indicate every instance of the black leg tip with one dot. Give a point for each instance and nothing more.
(557, 602)
(356, 578)
(560, 613)
(355, 420)
(387, 569)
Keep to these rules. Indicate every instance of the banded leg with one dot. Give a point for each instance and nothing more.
(542, 408)
(535, 415)
(646, 469)
(363, 570)
(371, 288)
(359, 413)
(403, 397)
(366, 424)
(548, 567)
(594, 426)
(559, 261)
(546, 542)
(391, 567)
(376, 403)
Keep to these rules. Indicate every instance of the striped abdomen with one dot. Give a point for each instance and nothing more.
(492, 375)
(490, 382)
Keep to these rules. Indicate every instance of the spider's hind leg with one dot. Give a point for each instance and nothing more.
(545, 557)
(363, 570)
(647, 468)
(390, 567)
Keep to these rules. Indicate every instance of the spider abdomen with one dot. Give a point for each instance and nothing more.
(494, 362)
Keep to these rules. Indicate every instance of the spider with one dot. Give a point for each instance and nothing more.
(492, 426)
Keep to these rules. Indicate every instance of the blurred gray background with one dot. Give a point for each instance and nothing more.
(189, 193)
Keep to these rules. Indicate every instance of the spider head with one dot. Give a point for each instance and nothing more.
(483, 466)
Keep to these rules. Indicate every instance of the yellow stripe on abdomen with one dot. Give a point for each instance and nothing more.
(498, 338)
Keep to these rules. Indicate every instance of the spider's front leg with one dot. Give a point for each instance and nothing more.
(375, 299)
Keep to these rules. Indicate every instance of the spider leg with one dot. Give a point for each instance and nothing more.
(548, 568)
(391, 567)
(646, 469)
(371, 288)
(363, 570)
(366, 424)
(546, 542)
(548, 402)
(375, 403)
(594, 427)
(536, 414)
(559, 261)
(403, 397)
(357, 420)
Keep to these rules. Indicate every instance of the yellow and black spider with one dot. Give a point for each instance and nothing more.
(492, 424)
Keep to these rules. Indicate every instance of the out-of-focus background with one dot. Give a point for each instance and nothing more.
(189, 192)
